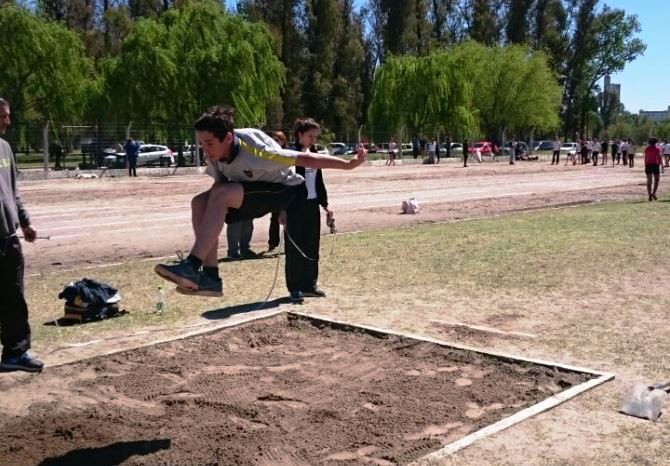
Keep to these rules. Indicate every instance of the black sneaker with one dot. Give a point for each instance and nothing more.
(315, 293)
(182, 273)
(207, 286)
(249, 254)
(297, 297)
(25, 362)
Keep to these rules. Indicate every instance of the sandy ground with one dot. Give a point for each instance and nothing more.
(109, 220)
(295, 392)
(95, 222)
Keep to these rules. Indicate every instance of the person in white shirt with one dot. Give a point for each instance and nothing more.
(557, 151)
(253, 176)
(303, 221)
(666, 152)
(631, 153)
(624, 151)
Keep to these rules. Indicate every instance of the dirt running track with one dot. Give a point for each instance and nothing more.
(107, 220)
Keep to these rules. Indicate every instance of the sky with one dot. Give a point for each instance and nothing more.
(645, 82)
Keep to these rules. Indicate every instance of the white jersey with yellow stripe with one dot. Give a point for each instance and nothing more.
(255, 156)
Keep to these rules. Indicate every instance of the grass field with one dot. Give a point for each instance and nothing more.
(590, 283)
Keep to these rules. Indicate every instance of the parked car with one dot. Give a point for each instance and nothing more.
(456, 149)
(544, 145)
(407, 148)
(149, 154)
(485, 148)
(569, 148)
(371, 148)
(337, 148)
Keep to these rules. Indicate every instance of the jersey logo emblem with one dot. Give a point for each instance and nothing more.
(249, 173)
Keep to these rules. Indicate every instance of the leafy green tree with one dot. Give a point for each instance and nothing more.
(550, 32)
(517, 21)
(516, 90)
(401, 25)
(484, 27)
(323, 33)
(43, 70)
(347, 96)
(613, 47)
(423, 93)
(283, 19)
(173, 68)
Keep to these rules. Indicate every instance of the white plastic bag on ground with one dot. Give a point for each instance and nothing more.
(410, 207)
(644, 403)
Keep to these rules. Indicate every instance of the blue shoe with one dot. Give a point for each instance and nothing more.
(297, 297)
(181, 273)
(207, 286)
(25, 362)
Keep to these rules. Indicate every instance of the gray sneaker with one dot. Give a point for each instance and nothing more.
(207, 286)
(182, 273)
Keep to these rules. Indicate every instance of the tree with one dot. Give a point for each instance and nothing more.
(283, 20)
(401, 26)
(516, 91)
(346, 95)
(613, 47)
(484, 25)
(196, 68)
(550, 32)
(43, 70)
(517, 21)
(323, 33)
(423, 93)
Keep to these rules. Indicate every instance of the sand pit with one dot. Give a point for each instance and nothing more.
(281, 390)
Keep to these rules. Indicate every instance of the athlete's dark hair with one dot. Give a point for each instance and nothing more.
(218, 120)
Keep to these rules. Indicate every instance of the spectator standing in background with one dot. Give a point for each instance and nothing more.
(604, 148)
(556, 146)
(631, 153)
(466, 152)
(653, 164)
(132, 149)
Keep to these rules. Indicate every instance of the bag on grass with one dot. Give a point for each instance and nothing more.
(410, 207)
(89, 300)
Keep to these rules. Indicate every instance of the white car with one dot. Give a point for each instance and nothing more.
(149, 154)
(569, 148)
(337, 148)
(544, 145)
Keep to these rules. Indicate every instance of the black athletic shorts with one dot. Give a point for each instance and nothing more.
(262, 198)
(652, 169)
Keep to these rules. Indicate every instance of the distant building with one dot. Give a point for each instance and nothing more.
(655, 115)
(612, 88)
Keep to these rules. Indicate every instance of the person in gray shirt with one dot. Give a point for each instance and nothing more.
(253, 176)
(14, 327)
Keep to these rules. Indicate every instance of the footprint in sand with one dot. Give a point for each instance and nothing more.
(474, 413)
(463, 382)
(448, 369)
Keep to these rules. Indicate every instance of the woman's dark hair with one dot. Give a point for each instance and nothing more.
(281, 136)
(302, 125)
(218, 120)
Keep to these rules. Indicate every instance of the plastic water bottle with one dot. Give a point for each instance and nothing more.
(160, 301)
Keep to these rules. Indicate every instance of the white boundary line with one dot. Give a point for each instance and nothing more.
(544, 405)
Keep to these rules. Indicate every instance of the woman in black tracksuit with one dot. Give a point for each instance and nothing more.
(303, 221)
